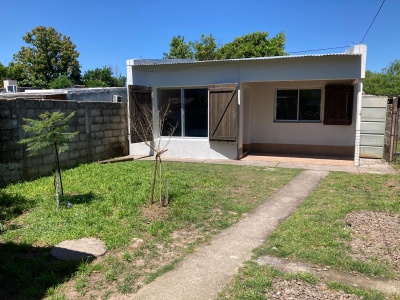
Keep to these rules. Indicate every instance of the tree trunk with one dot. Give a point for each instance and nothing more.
(161, 196)
(56, 185)
(151, 198)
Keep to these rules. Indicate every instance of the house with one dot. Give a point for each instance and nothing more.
(307, 104)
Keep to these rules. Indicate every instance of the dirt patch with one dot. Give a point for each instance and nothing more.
(298, 289)
(155, 212)
(375, 236)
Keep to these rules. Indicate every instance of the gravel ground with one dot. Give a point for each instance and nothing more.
(297, 289)
(374, 235)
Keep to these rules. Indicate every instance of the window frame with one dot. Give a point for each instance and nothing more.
(182, 110)
(321, 109)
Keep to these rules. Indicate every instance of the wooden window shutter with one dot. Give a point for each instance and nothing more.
(338, 108)
(223, 101)
(141, 113)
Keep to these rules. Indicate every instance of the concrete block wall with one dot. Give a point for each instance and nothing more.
(102, 127)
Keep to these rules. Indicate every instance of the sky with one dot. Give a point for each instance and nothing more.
(107, 33)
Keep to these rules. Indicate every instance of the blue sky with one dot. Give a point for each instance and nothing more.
(107, 33)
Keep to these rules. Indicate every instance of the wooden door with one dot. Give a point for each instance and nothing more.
(223, 121)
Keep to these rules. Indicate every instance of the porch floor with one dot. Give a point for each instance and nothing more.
(316, 163)
(300, 159)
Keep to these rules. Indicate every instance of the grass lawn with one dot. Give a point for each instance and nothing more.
(317, 233)
(110, 203)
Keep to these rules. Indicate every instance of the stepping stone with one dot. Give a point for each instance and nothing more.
(85, 248)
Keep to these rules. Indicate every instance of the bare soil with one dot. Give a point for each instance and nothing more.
(375, 236)
(297, 289)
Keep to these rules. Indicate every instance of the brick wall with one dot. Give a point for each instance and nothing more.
(102, 135)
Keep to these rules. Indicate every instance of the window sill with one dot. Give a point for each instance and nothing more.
(186, 138)
(297, 122)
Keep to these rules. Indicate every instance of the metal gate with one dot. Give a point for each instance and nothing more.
(372, 130)
(392, 144)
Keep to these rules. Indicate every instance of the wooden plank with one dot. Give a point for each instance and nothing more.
(223, 112)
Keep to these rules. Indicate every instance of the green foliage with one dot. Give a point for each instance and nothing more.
(3, 73)
(48, 55)
(48, 132)
(205, 48)
(386, 82)
(12, 71)
(254, 44)
(61, 83)
(179, 49)
(102, 78)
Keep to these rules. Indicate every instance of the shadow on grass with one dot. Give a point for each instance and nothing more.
(80, 198)
(11, 206)
(28, 272)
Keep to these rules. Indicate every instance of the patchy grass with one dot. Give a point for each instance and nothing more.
(317, 233)
(110, 203)
(255, 281)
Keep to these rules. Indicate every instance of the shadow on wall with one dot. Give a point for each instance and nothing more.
(228, 150)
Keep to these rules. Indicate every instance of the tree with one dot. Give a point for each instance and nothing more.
(179, 49)
(48, 56)
(12, 71)
(61, 82)
(49, 132)
(3, 73)
(254, 44)
(102, 78)
(386, 82)
(205, 48)
(144, 128)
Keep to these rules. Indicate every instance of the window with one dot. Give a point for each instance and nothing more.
(298, 105)
(188, 109)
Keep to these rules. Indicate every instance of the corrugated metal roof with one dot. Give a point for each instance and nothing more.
(156, 62)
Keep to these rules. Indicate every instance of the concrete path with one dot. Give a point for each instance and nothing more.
(201, 275)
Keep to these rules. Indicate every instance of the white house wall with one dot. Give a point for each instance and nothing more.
(333, 67)
(262, 133)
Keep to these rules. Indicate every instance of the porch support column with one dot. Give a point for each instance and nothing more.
(240, 123)
(358, 122)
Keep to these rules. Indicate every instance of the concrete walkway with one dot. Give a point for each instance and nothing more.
(204, 273)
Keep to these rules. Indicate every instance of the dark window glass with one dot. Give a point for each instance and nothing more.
(309, 105)
(173, 99)
(196, 112)
(286, 105)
